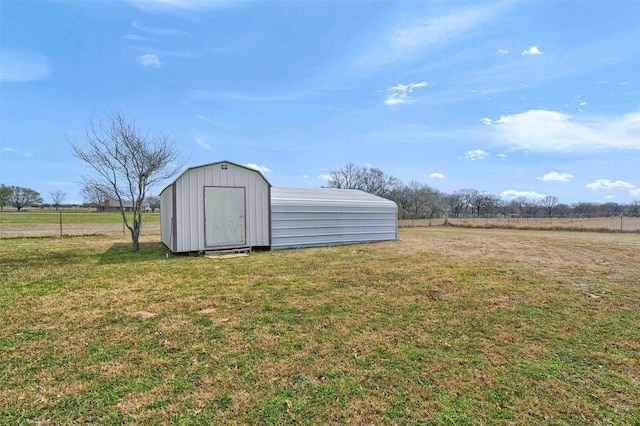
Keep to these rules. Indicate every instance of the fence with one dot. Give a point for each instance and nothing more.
(69, 222)
(601, 224)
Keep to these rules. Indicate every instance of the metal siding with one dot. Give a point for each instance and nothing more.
(166, 216)
(189, 203)
(225, 216)
(322, 217)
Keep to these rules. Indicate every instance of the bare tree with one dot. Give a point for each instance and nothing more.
(153, 202)
(347, 177)
(57, 197)
(549, 203)
(126, 164)
(367, 179)
(96, 193)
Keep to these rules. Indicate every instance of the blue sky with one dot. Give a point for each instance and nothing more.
(528, 98)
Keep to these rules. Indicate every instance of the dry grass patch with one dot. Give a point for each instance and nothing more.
(445, 325)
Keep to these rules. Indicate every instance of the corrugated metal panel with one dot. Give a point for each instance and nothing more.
(302, 217)
(190, 207)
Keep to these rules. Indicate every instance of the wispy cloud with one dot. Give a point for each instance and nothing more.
(476, 154)
(512, 193)
(23, 66)
(608, 184)
(261, 169)
(556, 177)
(149, 60)
(548, 131)
(326, 177)
(205, 119)
(17, 152)
(405, 41)
(533, 51)
(436, 175)
(400, 94)
(182, 4)
(503, 52)
(134, 37)
(202, 144)
(156, 30)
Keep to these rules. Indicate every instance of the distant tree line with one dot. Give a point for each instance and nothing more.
(19, 198)
(416, 200)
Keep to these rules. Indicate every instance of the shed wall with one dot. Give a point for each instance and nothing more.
(323, 217)
(167, 217)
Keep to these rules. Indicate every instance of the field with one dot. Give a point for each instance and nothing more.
(80, 222)
(445, 326)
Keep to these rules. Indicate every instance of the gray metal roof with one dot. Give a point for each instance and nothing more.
(327, 196)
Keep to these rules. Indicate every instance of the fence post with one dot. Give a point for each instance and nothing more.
(621, 229)
(61, 223)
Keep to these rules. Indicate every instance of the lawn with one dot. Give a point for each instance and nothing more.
(444, 326)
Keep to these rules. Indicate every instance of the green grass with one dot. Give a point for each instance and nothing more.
(445, 326)
(69, 217)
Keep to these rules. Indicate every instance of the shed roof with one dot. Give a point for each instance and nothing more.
(213, 164)
(327, 196)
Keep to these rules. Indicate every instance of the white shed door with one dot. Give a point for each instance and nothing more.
(224, 217)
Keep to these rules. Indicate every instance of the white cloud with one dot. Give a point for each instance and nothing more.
(608, 184)
(634, 192)
(261, 169)
(326, 177)
(503, 52)
(400, 94)
(304, 176)
(23, 65)
(202, 144)
(486, 121)
(436, 175)
(501, 155)
(512, 193)
(533, 51)
(556, 177)
(149, 60)
(476, 154)
(546, 131)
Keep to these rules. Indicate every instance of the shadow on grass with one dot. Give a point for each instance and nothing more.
(123, 252)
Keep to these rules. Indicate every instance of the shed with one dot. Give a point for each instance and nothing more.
(307, 217)
(215, 207)
(225, 206)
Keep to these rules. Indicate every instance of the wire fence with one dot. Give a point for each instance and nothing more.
(89, 224)
(61, 223)
(599, 224)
